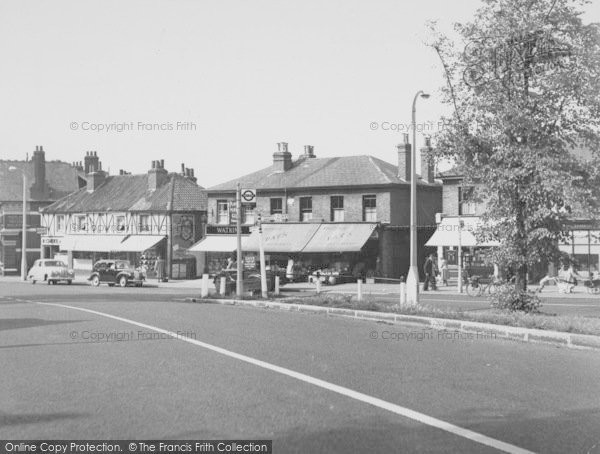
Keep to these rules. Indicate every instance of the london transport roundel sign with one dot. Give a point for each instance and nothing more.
(248, 195)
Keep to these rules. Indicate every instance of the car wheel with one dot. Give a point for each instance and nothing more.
(95, 281)
(123, 281)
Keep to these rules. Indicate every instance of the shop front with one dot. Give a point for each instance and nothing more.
(583, 246)
(80, 252)
(219, 245)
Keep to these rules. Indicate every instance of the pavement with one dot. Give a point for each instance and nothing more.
(103, 367)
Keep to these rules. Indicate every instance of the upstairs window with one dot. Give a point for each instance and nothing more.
(466, 206)
(60, 223)
(337, 208)
(222, 212)
(369, 208)
(121, 223)
(305, 209)
(144, 223)
(277, 205)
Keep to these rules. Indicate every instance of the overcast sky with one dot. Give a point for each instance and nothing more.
(244, 75)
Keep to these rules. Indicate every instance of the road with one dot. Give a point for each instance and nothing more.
(311, 383)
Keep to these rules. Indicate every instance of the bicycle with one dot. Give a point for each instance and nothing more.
(477, 287)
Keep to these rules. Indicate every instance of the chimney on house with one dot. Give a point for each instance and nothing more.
(282, 158)
(404, 157)
(91, 163)
(309, 151)
(39, 187)
(427, 164)
(157, 175)
(92, 167)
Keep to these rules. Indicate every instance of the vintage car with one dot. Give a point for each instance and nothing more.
(51, 271)
(116, 272)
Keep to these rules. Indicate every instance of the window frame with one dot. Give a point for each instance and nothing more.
(336, 208)
(305, 210)
(367, 209)
(227, 211)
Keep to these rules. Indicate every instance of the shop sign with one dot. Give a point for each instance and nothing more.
(248, 195)
(250, 262)
(50, 241)
(226, 230)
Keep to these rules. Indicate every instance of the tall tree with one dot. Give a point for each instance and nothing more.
(524, 87)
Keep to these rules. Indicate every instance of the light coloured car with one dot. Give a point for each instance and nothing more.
(50, 271)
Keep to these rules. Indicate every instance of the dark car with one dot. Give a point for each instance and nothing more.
(251, 281)
(116, 272)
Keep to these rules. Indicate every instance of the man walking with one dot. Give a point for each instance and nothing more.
(430, 272)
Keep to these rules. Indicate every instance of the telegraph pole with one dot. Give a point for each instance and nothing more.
(238, 222)
(263, 268)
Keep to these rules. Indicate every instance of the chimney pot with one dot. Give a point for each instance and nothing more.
(182, 168)
(405, 137)
(404, 161)
(162, 163)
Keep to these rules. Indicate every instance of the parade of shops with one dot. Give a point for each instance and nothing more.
(349, 214)
(149, 219)
(462, 218)
(47, 181)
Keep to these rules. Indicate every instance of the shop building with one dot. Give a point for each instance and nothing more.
(47, 181)
(149, 219)
(347, 213)
(582, 243)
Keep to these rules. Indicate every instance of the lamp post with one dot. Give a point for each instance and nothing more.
(24, 233)
(412, 280)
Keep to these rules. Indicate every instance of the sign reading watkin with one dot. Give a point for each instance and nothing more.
(226, 230)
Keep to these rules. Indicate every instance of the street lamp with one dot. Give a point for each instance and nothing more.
(24, 235)
(412, 280)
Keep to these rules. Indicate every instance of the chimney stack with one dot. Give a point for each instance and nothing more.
(309, 151)
(157, 175)
(427, 164)
(39, 189)
(404, 159)
(282, 158)
(91, 162)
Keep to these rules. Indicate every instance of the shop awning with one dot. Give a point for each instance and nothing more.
(217, 243)
(91, 243)
(139, 243)
(340, 237)
(447, 233)
(285, 238)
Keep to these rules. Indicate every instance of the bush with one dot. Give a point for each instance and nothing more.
(508, 297)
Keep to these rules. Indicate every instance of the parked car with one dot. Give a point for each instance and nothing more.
(51, 271)
(251, 281)
(116, 272)
(331, 277)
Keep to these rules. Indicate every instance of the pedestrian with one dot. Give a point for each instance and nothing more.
(444, 271)
(230, 263)
(430, 271)
(551, 276)
(160, 268)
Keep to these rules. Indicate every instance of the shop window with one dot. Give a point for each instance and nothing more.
(305, 209)
(277, 205)
(60, 223)
(337, 208)
(121, 223)
(144, 223)
(249, 213)
(369, 208)
(222, 212)
(465, 205)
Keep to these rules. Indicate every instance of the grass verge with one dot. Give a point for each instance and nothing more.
(564, 323)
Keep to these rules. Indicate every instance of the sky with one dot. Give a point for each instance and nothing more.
(217, 84)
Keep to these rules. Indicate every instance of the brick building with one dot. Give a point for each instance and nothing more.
(47, 182)
(321, 211)
(148, 219)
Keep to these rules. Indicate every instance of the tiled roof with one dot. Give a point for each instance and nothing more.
(62, 178)
(130, 193)
(321, 172)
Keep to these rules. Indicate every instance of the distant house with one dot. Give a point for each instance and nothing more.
(148, 219)
(47, 182)
(348, 213)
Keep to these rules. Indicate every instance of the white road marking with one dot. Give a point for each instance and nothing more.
(397, 409)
